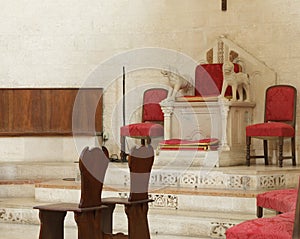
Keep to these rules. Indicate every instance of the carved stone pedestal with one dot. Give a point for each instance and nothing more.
(224, 120)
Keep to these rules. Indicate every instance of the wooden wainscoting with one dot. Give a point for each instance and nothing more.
(50, 111)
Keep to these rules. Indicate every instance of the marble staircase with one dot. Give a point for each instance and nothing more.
(188, 203)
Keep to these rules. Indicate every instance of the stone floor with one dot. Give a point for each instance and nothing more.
(190, 204)
(24, 231)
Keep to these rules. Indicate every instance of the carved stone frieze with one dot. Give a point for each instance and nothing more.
(164, 201)
(218, 229)
(164, 178)
(272, 181)
(239, 182)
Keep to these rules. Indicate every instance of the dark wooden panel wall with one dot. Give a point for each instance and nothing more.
(50, 111)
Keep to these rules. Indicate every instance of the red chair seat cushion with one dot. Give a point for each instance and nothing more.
(271, 129)
(142, 130)
(277, 227)
(283, 200)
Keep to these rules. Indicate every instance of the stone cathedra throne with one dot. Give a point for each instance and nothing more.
(209, 123)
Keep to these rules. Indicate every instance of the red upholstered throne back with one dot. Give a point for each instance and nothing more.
(209, 80)
(280, 104)
(151, 108)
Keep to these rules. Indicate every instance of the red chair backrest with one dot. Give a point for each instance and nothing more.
(209, 80)
(281, 103)
(151, 108)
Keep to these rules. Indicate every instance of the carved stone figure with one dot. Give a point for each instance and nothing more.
(239, 82)
(177, 83)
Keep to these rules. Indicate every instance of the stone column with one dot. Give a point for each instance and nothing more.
(167, 108)
(224, 108)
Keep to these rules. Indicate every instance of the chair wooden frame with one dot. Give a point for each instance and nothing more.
(140, 163)
(279, 138)
(145, 139)
(89, 214)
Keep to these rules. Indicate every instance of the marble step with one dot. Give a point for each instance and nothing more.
(256, 177)
(163, 223)
(168, 198)
(17, 188)
(37, 170)
(16, 231)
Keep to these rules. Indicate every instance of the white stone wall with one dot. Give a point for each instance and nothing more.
(58, 43)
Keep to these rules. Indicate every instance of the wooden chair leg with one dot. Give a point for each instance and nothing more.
(293, 145)
(280, 151)
(89, 224)
(148, 140)
(259, 211)
(137, 221)
(107, 218)
(52, 224)
(248, 144)
(266, 152)
(123, 154)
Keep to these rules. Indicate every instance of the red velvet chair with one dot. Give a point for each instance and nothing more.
(152, 120)
(282, 226)
(277, 227)
(279, 122)
(282, 200)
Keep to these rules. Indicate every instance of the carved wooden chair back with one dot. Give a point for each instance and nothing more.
(140, 163)
(93, 165)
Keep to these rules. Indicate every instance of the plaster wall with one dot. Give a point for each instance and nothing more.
(60, 43)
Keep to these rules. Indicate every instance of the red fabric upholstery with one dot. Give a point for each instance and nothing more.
(283, 200)
(179, 144)
(208, 141)
(270, 129)
(280, 104)
(142, 130)
(279, 123)
(151, 112)
(151, 107)
(209, 80)
(278, 227)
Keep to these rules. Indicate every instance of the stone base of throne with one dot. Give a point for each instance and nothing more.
(199, 158)
(194, 153)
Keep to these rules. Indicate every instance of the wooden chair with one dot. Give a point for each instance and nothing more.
(279, 122)
(152, 120)
(88, 213)
(140, 163)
